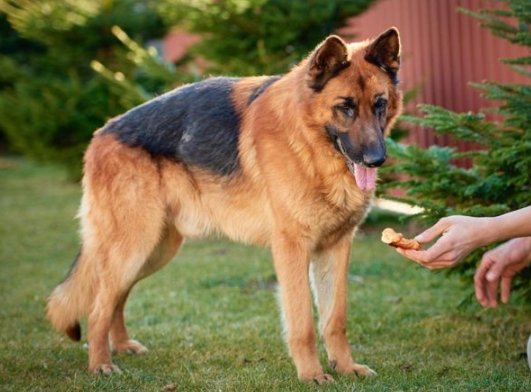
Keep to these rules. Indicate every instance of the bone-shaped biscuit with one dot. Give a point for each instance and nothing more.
(391, 237)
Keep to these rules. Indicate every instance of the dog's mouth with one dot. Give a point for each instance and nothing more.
(365, 176)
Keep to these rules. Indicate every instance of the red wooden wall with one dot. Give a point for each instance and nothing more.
(442, 51)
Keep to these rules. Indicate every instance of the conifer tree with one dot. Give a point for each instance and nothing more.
(253, 37)
(51, 101)
(499, 179)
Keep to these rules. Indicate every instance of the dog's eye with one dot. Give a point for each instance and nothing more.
(380, 105)
(346, 109)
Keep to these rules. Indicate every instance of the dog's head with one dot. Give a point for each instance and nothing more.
(353, 97)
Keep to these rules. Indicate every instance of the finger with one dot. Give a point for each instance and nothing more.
(438, 264)
(480, 281)
(479, 286)
(492, 275)
(419, 257)
(483, 268)
(426, 259)
(495, 267)
(505, 289)
(492, 293)
(433, 232)
(481, 296)
(411, 254)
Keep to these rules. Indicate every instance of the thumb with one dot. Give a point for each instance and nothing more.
(495, 271)
(493, 275)
(433, 232)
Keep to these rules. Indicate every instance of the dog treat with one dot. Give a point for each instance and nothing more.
(391, 237)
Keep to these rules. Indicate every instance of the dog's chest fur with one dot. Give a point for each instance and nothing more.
(336, 211)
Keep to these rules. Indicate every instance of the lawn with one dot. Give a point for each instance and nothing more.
(211, 322)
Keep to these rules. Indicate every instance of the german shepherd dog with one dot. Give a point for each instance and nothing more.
(282, 161)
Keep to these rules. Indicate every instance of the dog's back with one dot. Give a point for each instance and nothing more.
(196, 125)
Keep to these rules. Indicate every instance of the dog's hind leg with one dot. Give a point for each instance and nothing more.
(167, 248)
(329, 276)
(123, 218)
(138, 254)
(99, 324)
(120, 341)
(119, 270)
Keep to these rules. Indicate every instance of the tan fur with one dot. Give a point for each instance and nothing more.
(293, 192)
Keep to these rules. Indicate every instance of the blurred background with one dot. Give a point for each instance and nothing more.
(68, 66)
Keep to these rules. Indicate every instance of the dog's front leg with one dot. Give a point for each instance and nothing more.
(291, 259)
(329, 274)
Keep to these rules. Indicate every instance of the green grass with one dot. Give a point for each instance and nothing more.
(211, 322)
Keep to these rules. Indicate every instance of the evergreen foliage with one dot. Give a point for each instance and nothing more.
(253, 37)
(51, 101)
(499, 179)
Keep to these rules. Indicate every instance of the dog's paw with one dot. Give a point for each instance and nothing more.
(322, 379)
(353, 368)
(319, 379)
(106, 369)
(130, 347)
(363, 370)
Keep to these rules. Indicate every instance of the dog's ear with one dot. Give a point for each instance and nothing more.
(327, 61)
(384, 52)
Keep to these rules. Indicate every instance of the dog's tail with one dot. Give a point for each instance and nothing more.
(72, 299)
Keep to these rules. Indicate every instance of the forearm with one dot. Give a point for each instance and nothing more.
(525, 243)
(513, 224)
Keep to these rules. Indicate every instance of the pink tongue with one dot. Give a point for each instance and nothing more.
(365, 177)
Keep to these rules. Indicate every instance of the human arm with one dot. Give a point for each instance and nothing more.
(460, 235)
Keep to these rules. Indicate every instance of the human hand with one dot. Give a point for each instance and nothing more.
(459, 235)
(497, 268)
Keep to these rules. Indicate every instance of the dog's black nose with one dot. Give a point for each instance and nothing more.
(374, 160)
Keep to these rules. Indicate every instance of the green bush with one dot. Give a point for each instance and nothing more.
(253, 37)
(51, 101)
(499, 179)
